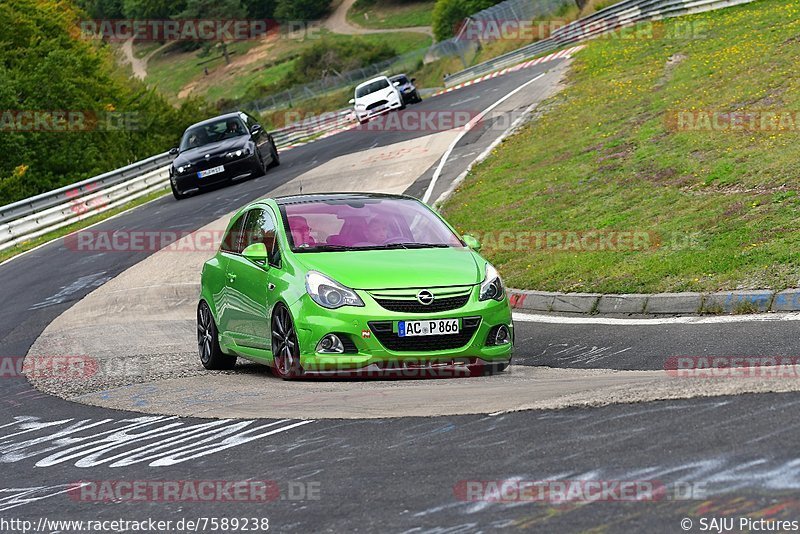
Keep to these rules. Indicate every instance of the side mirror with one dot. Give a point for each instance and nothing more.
(351, 101)
(256, 253)
(255, 129)
(471, 242)
(413, 80)
(173, 151)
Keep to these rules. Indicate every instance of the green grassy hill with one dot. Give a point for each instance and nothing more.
(607, 156)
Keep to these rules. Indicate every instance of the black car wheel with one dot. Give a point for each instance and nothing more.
(276, 159)
(175, 193)
(211, 355)
(285, 349)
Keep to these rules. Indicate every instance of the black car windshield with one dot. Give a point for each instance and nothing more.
(364, 223)
(212, 132)
(402, 79)
(370, 88)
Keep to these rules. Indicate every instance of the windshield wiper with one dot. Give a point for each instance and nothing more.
(411, 245)
(323, 248)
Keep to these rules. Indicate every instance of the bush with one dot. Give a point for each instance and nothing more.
(297, 10)
(448, 15)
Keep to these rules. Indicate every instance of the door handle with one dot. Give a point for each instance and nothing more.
(231, 278)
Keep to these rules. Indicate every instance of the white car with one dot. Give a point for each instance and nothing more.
(374, 97)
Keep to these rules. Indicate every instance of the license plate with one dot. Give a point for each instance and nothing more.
(212, 170)
(435, 327)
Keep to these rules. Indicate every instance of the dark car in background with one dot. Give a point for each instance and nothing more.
(221, 150)
(407, 88)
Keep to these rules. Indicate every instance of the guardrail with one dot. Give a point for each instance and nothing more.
(617, 16)
(35, 216)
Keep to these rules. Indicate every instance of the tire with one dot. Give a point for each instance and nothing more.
(285, 349)
(417, 98)
(276, 159)
(261, 168)
(211, 355)
(495, 369)
(175, 193)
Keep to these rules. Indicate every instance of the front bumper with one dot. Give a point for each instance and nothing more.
(238, 169)
(364, 115)
(367, 353)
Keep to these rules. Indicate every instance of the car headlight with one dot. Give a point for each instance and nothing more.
(235, 154)
(492, 285)
(183, 168)
(360, 106)
(329, 293)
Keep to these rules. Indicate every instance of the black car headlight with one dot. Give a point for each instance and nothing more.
(237, 153)
(329, 293)
(492, 285)
(184, 168)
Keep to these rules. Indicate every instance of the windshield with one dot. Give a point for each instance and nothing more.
(212, 132)
(370, 88)
(354, 224)
(402, 79)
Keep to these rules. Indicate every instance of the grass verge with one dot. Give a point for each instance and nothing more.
(390, 14)
(721, 206)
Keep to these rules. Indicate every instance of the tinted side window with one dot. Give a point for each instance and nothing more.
(259, 228)
(232, 241)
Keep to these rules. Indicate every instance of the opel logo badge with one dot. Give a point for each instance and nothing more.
(425, 297)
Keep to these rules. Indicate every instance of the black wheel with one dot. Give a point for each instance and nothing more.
(261, 167)
(495, 368)
(211, 355)
(285, 350)
(417, 98)
(175, 193)
(276, 159)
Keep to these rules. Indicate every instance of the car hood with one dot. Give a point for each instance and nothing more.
(214, 149)
(389, 269)
(374, 97)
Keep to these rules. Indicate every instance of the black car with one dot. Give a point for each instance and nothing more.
(407, 88)
(221, 150)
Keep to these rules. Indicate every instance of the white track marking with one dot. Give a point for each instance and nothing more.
(471, 124)
(723, 319)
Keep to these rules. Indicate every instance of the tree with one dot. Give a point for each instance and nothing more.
(299, 10)
(448, 15)
(45, 69)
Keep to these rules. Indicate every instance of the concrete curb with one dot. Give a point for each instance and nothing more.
(724, 302)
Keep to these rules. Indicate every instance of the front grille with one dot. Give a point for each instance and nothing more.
(415, 306)
(377, 104)
(390, 340)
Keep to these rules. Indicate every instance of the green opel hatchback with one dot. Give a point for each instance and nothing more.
(351, 284)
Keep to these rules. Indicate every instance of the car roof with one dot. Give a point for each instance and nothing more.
(398, 76)
(320, 197)
(231, 115)
(375, 79)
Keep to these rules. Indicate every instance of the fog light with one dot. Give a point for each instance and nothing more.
(503, 336)
(330, 344)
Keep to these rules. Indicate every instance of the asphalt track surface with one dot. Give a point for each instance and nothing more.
(399, 475)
